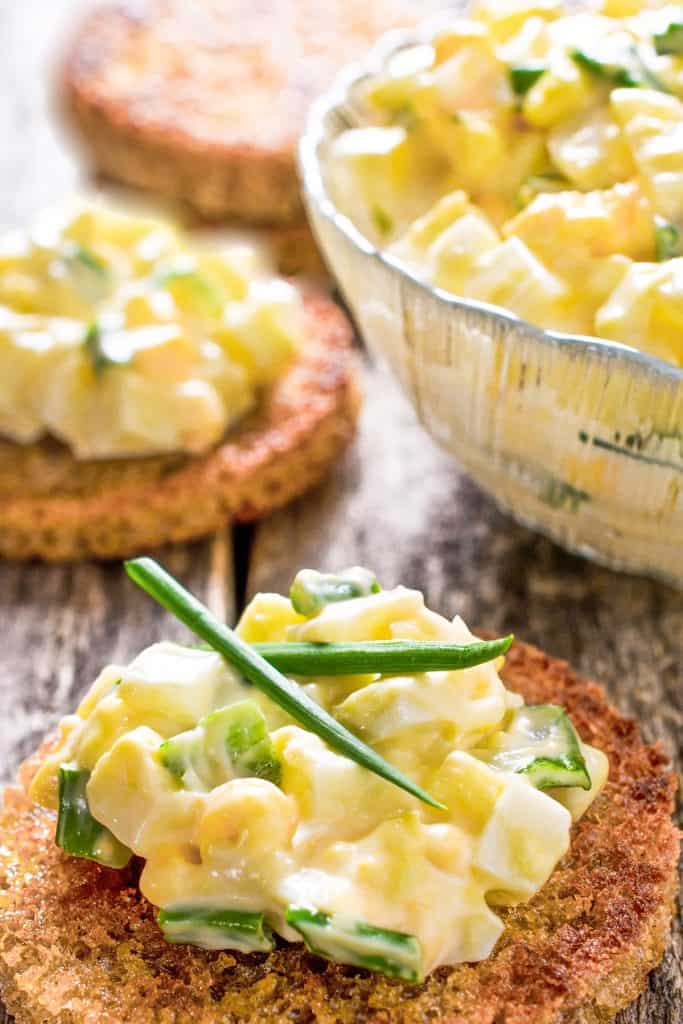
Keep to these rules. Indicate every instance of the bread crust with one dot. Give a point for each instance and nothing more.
(55, 507)
(78, 943)
(204, 102)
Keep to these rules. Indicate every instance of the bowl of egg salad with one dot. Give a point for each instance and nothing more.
(500, 196)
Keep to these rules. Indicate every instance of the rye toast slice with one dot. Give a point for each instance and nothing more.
(79, 944)
(54, 507)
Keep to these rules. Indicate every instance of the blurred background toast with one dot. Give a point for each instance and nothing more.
(203, 102)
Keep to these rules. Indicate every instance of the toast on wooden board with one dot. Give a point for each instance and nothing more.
(55, 507)
(78, 943)
(205, 101)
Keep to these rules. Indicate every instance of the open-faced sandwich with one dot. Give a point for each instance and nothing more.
(348, 809)
(204, 102)
(152, 389)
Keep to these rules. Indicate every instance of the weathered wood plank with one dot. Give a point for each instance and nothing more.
(35, 165)
(400, 506)
(61, 624)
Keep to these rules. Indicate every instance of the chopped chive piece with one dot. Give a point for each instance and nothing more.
(190, 282)
(214, 928)
(537, 184)
(618, 75)
(523, 76)
(93, 347)
(670, 41)
(628, 70)
(667, 240)
(164, 589)
(89, 273)
(408, 117)
(100, 356)
(87, 258)
(227, 744)
(383, 656)
(77, 832)
(311, 590)
(541, 743)
(382, 220)
(347, 940)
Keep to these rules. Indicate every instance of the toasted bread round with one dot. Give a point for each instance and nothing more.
(204, 101)
(78, 943)
(55, 507)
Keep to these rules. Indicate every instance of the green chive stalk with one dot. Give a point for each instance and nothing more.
(170, 594)
(382, 656)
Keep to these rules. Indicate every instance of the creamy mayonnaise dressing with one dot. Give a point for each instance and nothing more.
(311, 828)
(119, 337)
(552, 143)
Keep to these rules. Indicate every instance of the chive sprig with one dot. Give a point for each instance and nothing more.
(172, 596)
(385, 657)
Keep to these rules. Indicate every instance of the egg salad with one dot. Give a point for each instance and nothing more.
(531, 157)
(251, 826)
(120, 338)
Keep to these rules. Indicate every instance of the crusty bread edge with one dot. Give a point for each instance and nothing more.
(244, 182)
(284, 453)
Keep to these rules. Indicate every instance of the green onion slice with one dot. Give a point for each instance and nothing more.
(347, 940)
(670, 40)
(668, 242)
(230, 743)
(537, 184)
(541, 743)
(78, 834)
(204, 292)
(523, 76)
(100, 354)
(311, 590)
(382, 220)
(216, 928)
(624, 68)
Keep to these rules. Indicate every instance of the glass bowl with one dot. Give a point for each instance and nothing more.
(578, 437)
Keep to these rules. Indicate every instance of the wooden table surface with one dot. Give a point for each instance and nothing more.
(395, 503)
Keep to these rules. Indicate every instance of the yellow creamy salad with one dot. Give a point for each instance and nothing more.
(250, 824)
(531, 157)
(119, 337)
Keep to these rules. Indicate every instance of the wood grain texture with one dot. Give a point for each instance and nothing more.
(396, 503)
(61, 624)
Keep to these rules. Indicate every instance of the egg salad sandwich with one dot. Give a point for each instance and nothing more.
(153, 388)
(348, 808)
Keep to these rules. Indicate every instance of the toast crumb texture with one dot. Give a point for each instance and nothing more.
(79, 945)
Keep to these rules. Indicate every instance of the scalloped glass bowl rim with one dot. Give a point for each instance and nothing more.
(315, 191)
